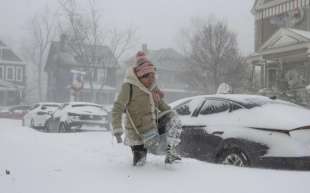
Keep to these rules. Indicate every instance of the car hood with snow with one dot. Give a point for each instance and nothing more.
(86, 110)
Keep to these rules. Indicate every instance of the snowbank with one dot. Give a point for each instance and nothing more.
(90, 162)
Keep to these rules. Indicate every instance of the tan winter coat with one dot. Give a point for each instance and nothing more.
(142, 109)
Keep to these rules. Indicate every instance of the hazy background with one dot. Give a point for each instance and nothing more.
(157, 22)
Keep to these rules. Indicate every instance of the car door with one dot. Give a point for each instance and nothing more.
(40, 114)
(187, 112)
(56, 116)
(212, 114)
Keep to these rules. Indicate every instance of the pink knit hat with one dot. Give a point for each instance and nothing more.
(141, 58)
(143, 65)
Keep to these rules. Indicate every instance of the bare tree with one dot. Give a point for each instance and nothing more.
(41, 32)
(87, 34)
(213, 51)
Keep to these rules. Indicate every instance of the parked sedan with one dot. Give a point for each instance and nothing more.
(39, 114)
(245, 130)
(78, 115)
(14, 112)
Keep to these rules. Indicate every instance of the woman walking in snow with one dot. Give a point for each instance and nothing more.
(143, 103)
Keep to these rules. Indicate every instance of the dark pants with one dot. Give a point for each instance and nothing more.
(139, 151)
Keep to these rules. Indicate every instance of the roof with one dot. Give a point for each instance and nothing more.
(68, 57)
(167, 59)
(303, 33)
(7, 54)
(2, 44)
(164, 59)
(285, 37)
(261, 4)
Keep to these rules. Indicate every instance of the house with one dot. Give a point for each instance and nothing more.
(282, 44)
(95, 69)
(12, 77)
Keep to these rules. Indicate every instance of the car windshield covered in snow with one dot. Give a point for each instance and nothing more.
(87, 105)
(50, 106)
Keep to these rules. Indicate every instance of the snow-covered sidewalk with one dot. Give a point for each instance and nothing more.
(90, 162)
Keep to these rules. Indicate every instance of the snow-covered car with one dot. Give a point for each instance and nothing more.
(14, 112)
(75, 115)
(39, 114)
(245, 130)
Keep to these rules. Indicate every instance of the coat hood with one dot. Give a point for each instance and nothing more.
(132, 78)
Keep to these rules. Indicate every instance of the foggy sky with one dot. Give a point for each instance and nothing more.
(157, 21)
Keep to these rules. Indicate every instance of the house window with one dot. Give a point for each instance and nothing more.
(19, 74)
(10, 73)
(1, 72)
(296, 4)
(292, 5)
(102, 75)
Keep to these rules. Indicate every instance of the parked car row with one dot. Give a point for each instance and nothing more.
(76, 115)
(70, 116)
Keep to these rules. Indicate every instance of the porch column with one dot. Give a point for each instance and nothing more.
(265, 74)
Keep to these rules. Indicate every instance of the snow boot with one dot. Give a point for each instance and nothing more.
(172, 155)
(139, 155)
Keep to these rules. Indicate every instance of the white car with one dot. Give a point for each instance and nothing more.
(39, 114)
(245, 130)
(75, 115)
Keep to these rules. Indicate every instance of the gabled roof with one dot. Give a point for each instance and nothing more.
(2, 44)
(7, 54)
(286, 37)
(69, 57)
(167, 59)
(164, 59)
(261, 4)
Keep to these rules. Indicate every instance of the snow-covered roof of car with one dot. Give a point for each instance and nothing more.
(49, 103)
(244, 99)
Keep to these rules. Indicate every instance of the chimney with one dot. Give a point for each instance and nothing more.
(144, 48)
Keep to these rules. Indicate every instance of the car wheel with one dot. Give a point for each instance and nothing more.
(47, 125)
(234, 157)
(62, 127)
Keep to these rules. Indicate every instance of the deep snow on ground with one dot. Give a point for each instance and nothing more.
(90, 162)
